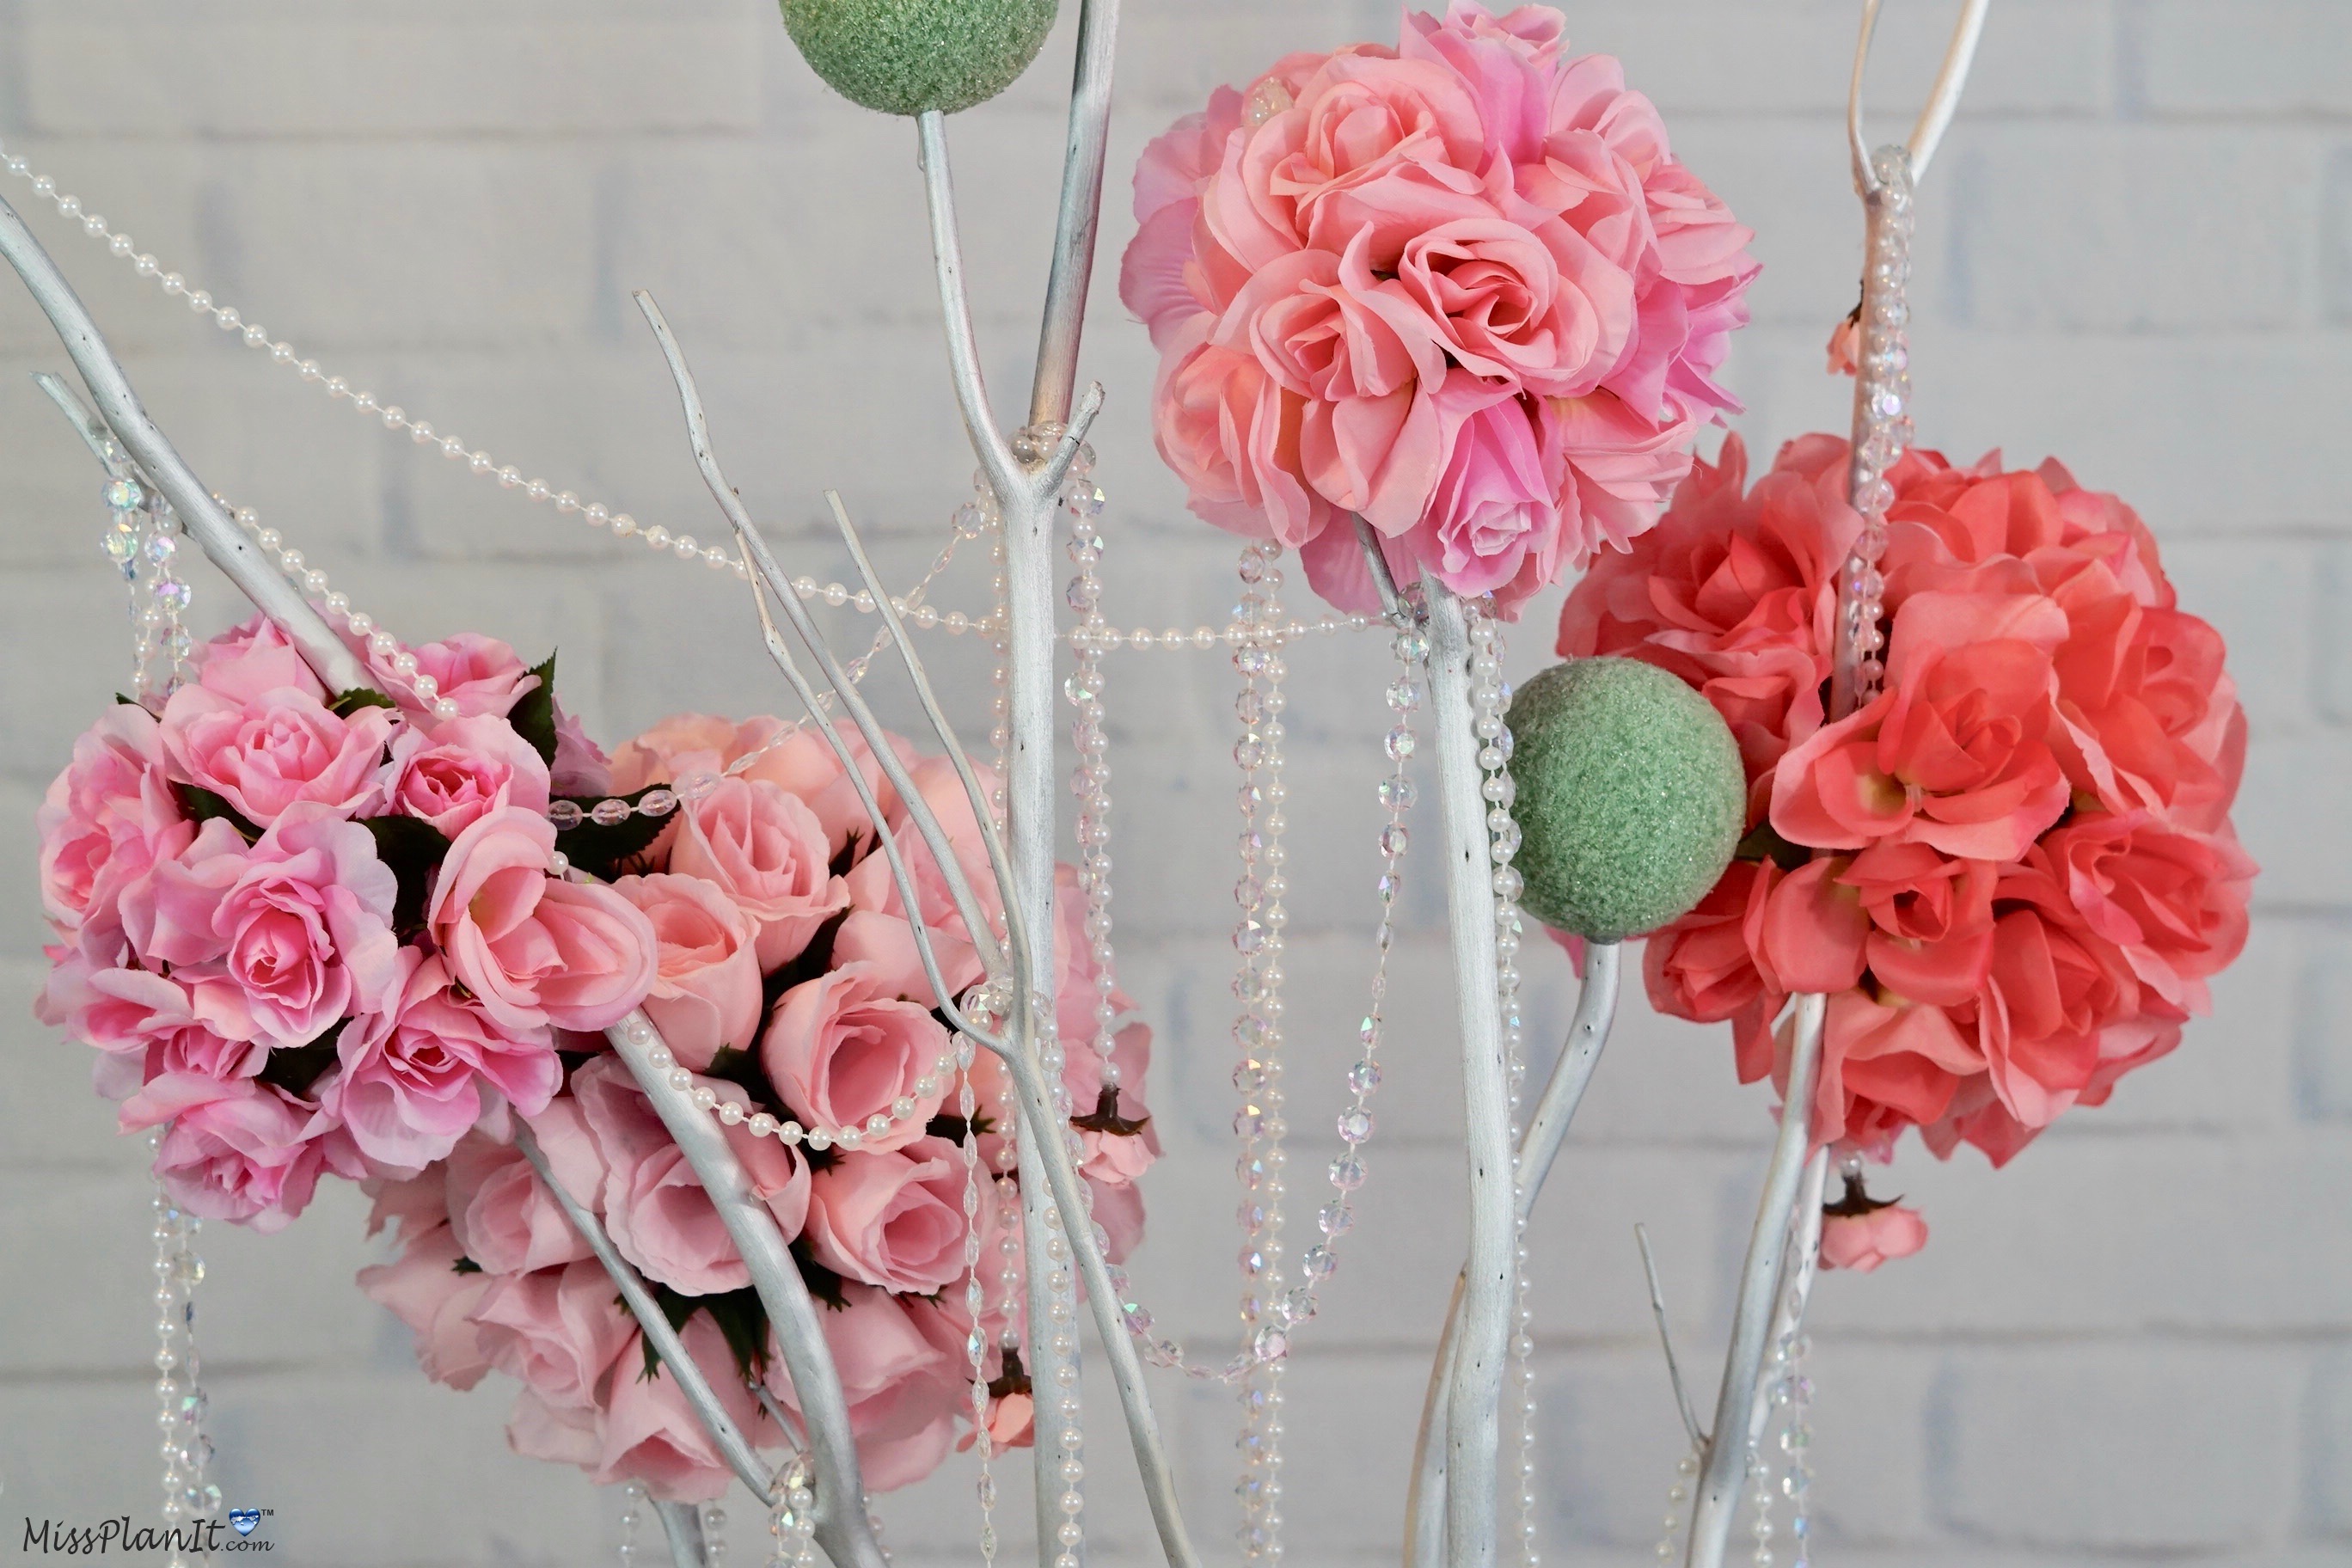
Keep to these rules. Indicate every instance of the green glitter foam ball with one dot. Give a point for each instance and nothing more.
(1631, 796)
(903, 56)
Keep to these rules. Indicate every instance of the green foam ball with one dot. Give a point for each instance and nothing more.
(1631, 796)
(903, 56)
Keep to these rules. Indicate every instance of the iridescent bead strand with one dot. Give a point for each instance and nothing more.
(1882, 430)
(190, 1496)
(1257, 1031)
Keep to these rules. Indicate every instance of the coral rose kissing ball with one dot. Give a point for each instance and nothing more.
(1631, 797)
(904, 57)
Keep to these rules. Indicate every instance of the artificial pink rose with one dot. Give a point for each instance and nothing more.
(845, 1047)
(105, 820)
(1156, 274)
(705, 991)
(480, 674)
(580, 766)
(884, 947)
(1531, 310)
(893, 1218)
(656, 1208)
(409, 1204)
(247, 660)
(504, 1218)
(796, 758)
(903, 1384)
(537, 950)
(233, 1149)
(1493, 512)
(765, 848)
(562, 1434)
(1012, 1424)
(461, 770)
(1880, 1233)
(424, 1289)
(652, 1433)
(195, 1021)
(558, 1330)
(414, 1071)
(265, 754)
(1231, 433)
(301, 921)
(1119, 1209)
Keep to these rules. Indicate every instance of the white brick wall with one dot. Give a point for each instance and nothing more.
(2134, 1345)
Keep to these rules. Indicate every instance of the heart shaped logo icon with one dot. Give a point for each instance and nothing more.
(244, 1520)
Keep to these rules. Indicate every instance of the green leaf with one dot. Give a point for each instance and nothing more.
(1763, 844)
(347, 703)
(465, 1266)
(296, 1068)
(201, 806)
(604, 851)
(742, 1323)
(413, 847)
(533, 714)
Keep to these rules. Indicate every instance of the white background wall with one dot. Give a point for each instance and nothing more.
(2134, 1345)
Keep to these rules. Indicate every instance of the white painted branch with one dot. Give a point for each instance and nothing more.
(1717, 1499)
(1474, 1406)
(682, 1523)
(1943, 99)
(1080, 216)
(207, 520)
(683, 1368)
(1539, 1146)
(842, 1526)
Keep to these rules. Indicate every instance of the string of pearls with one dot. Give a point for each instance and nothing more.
(191, 1496)
(1257, 984)
(792, 1518)
(1490, 698)
(1677, 1495)
(790, 1133)
(632, 1515)
(714, 1534)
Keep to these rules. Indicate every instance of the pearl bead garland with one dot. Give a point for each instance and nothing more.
(1490, 697)
(792, 1519)
(1082, 499)
(191, 1496)
(632, 1505)
(790, 1133)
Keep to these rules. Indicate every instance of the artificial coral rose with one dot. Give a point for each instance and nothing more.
(1460, 289)
(1861, 1242)
(2012, 870)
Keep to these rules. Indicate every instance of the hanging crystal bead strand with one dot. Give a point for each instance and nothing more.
(1346, 1173)
(1797, 1447)
(1257, 1031)
(1882, 429)
(143, 541)
(1490, 697)
(792, 1521)
(190, 1496)
(1082, 498)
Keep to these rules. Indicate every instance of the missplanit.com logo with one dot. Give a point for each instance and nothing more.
(235, 1531)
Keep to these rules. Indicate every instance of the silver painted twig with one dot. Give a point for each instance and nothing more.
(1080, 216)
(1718, 1498)
(1539, 1146)
(1473, 1404)
(1666, 1339)
(842, 1526)
(682, 1524)
(1943, 99)
(1799, 1267)
(1041, 1118)
(732, 1445)
(205, 520)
